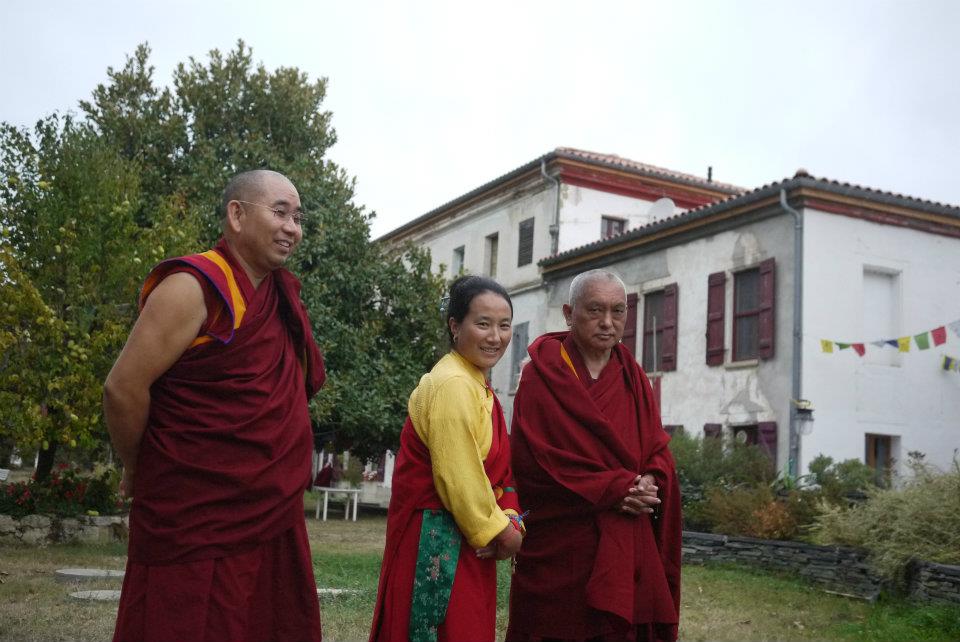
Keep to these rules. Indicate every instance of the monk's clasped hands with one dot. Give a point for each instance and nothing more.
(641, 497)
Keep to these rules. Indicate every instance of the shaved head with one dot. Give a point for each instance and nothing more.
(581, 283)
(245, 186)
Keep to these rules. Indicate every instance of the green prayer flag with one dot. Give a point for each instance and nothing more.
(922, 340)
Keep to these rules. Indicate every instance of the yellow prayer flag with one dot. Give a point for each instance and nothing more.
(826, 345)
(904, 344)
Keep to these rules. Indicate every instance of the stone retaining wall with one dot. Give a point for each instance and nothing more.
(43, 529)
(935, 582)
(836, 569)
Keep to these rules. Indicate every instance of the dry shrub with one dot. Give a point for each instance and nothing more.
(774, 521)
(755, 511)
(920, 520)
(734, 511)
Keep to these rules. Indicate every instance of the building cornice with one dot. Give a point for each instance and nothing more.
(884, 213)
(620, 182)
(595, 171)
(802, 191)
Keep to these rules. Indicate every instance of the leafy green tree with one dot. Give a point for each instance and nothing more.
(375, 312)
(73, 258)
(378, 320)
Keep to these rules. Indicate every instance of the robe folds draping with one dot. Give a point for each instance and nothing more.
(587, 570)
(471, 612)
(263, 594)
(226, 454)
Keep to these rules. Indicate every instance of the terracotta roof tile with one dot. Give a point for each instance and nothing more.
(626, 163)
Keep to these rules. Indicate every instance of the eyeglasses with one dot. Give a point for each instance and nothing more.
(283, 215)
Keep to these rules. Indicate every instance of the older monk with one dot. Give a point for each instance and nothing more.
(601, 560)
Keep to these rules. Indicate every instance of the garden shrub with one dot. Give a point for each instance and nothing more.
(66, 492)
(731, 488)
(842, 483)
(920, 520)
(706, 464)
(773, 521)
(733, 511)
(758, 511)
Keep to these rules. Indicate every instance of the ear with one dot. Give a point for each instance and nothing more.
(568, 314)
(234, 212)
(454, 326)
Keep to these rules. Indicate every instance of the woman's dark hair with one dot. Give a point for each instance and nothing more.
(462, 293)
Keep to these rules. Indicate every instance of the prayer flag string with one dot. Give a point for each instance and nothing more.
(923, 341)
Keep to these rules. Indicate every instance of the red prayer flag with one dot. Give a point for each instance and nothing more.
(859, 348)
(939, 335)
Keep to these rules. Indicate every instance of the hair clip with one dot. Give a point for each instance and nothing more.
(444, 303)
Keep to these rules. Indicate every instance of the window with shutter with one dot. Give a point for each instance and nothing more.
(491, 248)
(879, 457)
(525, 246)
(746, 435)
(768, 293)
(519, 352)
(746, 315)
(668, 344)
(713, 431)
(716, 304)
(610, 226)
(456, 266)
(630, 325)
(660, 330)
(767, 439)
(652, 331)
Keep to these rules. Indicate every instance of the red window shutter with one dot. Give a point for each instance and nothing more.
(712, 430)
(767, 438)
(716, 302)
(767, 301)
(630, 327)
(668, 343)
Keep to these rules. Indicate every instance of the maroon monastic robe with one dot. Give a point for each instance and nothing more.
(471, 611)
(217, 533)
(585, 569)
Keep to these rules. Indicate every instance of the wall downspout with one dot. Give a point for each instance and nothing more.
(793, 461)
(555, 225)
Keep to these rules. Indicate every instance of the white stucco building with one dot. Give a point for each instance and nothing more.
(731, 294)
(565, 199)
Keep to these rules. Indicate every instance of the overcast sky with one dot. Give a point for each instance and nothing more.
(432, 99)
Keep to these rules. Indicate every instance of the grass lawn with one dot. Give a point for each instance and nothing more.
(718, 603)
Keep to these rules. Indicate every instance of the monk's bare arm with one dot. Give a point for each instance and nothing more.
(168, 324)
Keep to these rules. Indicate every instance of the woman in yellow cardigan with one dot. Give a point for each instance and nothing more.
(453, 508)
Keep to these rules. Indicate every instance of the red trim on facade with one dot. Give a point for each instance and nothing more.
(635, 186)
(884, 218)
